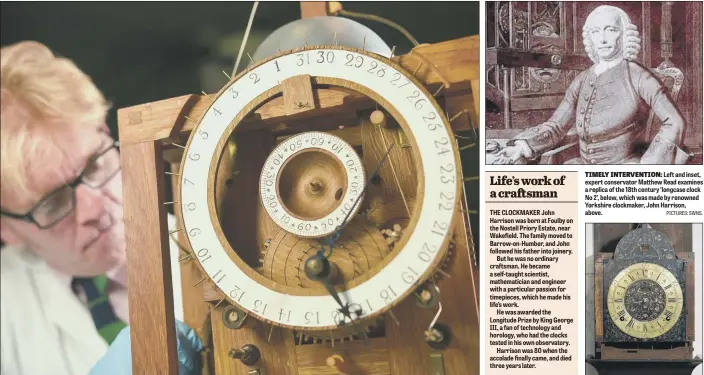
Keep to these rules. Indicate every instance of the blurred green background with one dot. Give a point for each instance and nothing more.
(138, 52)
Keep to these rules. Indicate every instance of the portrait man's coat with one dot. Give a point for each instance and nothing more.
(610, 111)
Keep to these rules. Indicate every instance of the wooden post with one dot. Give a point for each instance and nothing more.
(152, 322)
(311, 9)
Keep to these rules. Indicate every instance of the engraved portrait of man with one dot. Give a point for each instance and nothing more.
(607, 105)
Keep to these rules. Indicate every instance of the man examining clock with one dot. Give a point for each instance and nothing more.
(608, 104)
(64, 295)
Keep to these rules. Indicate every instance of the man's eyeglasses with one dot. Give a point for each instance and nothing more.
(58, 204)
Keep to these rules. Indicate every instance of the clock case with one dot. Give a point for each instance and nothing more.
(640, 246)
(147, 134)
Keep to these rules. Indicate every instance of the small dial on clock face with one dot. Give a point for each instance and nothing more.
(311, 182)
(645, 300)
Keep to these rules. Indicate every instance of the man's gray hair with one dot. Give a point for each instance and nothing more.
(629, 33)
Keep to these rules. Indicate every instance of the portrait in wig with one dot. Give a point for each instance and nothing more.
(607, 113)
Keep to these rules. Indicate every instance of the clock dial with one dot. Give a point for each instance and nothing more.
(311, 182)
(645, 300)
(306, 185)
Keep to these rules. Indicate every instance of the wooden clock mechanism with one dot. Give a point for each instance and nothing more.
(644, 304)
(321, 212)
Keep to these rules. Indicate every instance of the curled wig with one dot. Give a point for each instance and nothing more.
(630, 41)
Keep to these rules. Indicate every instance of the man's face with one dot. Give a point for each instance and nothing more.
(90, 240)
(605, 32)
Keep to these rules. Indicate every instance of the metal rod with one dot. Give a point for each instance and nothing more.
(391, 313)
(200, 281)
(437, 316)
(209, 97)
(467, 146)
(416, 71)
(444, 273)
(246, 36)
(217, 304)
(457, 115)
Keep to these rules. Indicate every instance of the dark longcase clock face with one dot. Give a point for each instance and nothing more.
(645, 300)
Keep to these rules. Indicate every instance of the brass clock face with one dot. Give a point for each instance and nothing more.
(645, 300)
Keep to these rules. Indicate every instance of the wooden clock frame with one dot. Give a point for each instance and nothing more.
(147, 132)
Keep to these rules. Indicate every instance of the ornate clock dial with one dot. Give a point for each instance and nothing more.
(645, 300)
(375, 287)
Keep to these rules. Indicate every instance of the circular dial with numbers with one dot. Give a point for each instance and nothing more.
(645, 300)
(381, 261)
(301, 173)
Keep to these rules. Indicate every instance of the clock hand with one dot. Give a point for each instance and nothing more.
(335, 236)
(318, 268)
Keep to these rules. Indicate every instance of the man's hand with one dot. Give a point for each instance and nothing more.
(516, 154)
(118, 359)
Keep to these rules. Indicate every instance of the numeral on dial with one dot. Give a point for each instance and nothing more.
(218, 276)
(409, 275)
(310, 316)
(388, 294)
(283, 313)
(260, 307)
(236, 294)
(629, 325)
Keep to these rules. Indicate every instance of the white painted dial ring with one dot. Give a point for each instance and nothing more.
(427, 128)
(338, 149)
